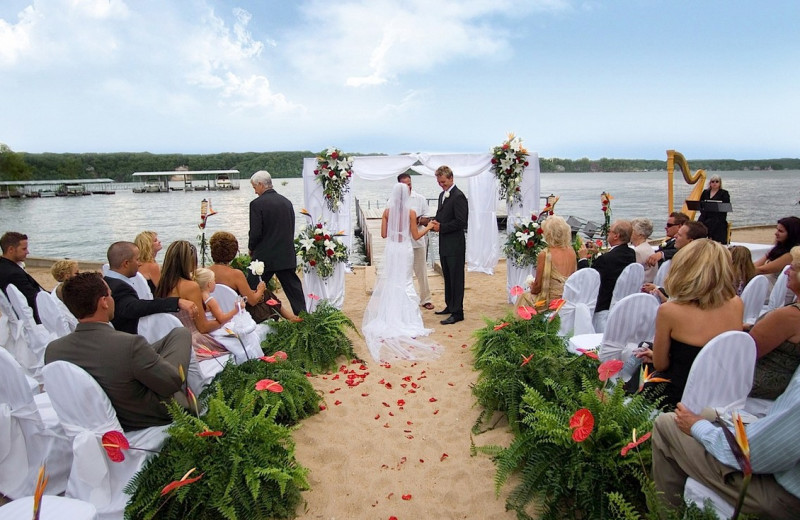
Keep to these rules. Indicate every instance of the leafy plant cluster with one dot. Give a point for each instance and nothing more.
(315, 343)
(527, 373)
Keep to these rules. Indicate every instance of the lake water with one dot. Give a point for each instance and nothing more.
(83, 227)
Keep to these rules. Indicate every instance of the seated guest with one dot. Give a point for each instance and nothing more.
(180, 263)
(62, 270)
(137, 376)
(149, 245)
(743, 268)
(688, 232)
(206, 280)
(224, 248)
(777, 337)
(610, 264)
(702, 305)
(687, 445)
(554, 264)
(787, 235)
(667, 248)
(642, 229)
(123, 262)
(15, 250)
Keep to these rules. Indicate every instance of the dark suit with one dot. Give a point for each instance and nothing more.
(12, 273)
(668, 249)
(610, 265)
(272, 242)
(129, 308)
(136, 376)
(452, 215)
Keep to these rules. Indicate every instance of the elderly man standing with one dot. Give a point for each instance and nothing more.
(420, 206)
(272, 238)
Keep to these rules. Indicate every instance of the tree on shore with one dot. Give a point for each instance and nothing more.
(12, 165)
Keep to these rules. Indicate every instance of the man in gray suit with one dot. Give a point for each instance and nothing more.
(137, 377)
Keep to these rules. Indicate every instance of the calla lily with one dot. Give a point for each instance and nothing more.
(175, 484)
(645, 376)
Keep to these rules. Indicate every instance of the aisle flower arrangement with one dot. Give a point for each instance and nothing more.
(525, 242)
(318, 248)
(605, 200)
(333, 172)
(508, 162)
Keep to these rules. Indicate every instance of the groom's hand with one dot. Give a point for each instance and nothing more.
(423, 221)
(436, 226)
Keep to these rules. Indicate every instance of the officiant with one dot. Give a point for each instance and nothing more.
(716, 222)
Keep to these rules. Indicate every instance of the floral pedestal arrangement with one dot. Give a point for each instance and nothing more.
(324, 260)
(522, 247)
(330, 289)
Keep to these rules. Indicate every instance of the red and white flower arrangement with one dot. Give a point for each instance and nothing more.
(334, 170)
(508, 162)
(318, 248)
(525, 242)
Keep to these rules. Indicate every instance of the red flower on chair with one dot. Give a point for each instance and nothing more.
(114, 443)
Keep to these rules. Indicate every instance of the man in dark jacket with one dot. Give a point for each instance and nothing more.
(15, 250)
(610, 264)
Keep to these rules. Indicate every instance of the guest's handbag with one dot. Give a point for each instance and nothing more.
(262, 311)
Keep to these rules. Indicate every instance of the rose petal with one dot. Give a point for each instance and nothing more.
(406, 497)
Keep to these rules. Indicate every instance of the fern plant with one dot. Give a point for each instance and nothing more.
(247, 472)
(297, 401)
(315, 343)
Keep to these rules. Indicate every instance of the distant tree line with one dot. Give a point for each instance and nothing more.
(119, 166)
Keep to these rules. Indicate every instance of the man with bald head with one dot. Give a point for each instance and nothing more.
(611, 263)
(123, 264)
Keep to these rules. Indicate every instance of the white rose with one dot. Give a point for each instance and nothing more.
(257, 267)
(446, 194)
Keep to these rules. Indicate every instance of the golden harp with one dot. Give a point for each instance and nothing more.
(698, 179)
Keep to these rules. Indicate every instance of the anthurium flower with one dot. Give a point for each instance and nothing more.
(589, 353)
(645, 376)
(525, 312)
(526, 360)
(609, 369)
(209, 433)
(516, 290)
(268, 359)
(175, 484)
(272, 301)
(636, 442)
(279, 354)
(556, 304)
(269, 384)
(313, 296)
(114, 442)
(501, 325)
(582, 422)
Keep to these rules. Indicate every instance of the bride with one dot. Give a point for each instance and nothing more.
(392, 321)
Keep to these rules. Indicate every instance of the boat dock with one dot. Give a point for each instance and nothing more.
(55, 188)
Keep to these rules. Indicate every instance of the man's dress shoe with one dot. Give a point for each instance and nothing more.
(452, 319)
(443, 311)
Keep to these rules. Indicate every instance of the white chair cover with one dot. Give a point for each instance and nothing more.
(629, 282)
(630, 322)
(580, 294)
(198, 375)
(722, 374)
(12, 336)
(86, 414)
(26, 442)
(753, 297)
(52, 508)
(225, 296)
(330, 289)
(662, 273)
(52, 317)
(777, 297)
(697, 493)
(37, 336)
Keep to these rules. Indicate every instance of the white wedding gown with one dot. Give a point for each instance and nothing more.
(392, 322)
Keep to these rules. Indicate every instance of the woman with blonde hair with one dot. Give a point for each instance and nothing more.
(554, 264)
(743, 268)
(149, 245)
(62, 270)
(702, 305)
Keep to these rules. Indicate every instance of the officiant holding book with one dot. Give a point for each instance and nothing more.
(716, 221)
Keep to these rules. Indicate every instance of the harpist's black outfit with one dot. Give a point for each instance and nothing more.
(717, 223)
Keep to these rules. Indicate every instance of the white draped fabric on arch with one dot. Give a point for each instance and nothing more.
(483, 248)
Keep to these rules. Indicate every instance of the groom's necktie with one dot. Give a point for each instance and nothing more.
(441, 198)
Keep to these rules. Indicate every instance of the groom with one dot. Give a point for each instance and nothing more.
(450, 222)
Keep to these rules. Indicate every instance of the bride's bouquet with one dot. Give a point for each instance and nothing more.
(319, 248)
(525, 242)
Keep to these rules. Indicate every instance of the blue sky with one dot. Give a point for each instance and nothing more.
(625, 79)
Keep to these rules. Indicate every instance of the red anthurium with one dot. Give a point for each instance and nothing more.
(272, 301)
(556, 304)
(313, 296)
(525, 312)
(281, 355)
(582, 422)
(114, 442)
(501, 325)
(635, 442)
(268, 359)
(175, 484)
(209, 433)
(269, 384)
(589, 353)
(516, 290)
(526, 360)
(609, 368)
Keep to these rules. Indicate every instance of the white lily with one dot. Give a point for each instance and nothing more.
(307, 243)
(506, 163)
(329, 151)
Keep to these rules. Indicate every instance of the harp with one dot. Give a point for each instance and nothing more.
(698, 179)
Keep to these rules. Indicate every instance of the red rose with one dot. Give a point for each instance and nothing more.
(604, 209)
(319, 226)
(540, 230)
(505, 146)
(526, 164)
(312, 263)
(327, 195)
(530, 243)
(334, 155)
(331, 174)
(329, 252)
(552, 212)
(316, 172)
(534, 218)
(327, 237)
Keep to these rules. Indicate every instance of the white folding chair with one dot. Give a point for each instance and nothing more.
(629, 282)
(12, 334)
(52, 508)
(86, 414)
(753, 296)
(199, 374)
(37, 337)
(51, 315)
(225, 296)
(630, 322)
(242, 323)
(580, 295)
(731, 354)
(662, 273)
(30, 435)
(777, 297)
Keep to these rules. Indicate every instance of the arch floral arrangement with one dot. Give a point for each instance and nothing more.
(318, 248)
(333, 172)
(508, 162)
(525, 242)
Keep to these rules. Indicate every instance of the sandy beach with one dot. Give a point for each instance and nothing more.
(398, 443)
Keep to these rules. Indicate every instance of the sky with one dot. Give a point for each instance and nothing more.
(573, 79)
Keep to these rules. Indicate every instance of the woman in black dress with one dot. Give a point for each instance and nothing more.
(717, 223)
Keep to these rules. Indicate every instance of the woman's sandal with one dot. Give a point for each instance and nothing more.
(428, 306)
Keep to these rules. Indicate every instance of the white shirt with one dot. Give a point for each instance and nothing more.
(420, 206)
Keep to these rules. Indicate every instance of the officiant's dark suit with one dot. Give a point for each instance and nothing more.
(272, 238)
(452, 215)
(611, 264)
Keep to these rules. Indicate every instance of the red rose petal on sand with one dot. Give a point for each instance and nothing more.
(391, 414)
(337, 402)
(385, 404)
(412, 391)
(364, 395)
(388, 386)
(322, 407)
(422, 460)
(444, 456)
(409, 436)
(400, 402)
(435, 412)
(377, 416)
(432, 400)
(407, 378)
(406, 497)
(386, 425)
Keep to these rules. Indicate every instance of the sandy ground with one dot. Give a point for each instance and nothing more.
(398, 444)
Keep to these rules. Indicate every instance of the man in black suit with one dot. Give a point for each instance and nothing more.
(15, 250)
(123, 263)
(667, 249)
(450, 222)
(610, 264)
(272, 238)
